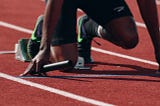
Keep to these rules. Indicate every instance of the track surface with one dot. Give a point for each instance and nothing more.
(118, 77)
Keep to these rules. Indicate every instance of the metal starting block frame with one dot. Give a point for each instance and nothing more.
(21, 50)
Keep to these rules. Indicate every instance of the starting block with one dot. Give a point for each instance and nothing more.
(21, 50)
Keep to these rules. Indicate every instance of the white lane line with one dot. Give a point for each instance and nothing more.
(56, 91)
(140, 24)
(124, 56)
(25, 30)
(7, 52)
(18, 28)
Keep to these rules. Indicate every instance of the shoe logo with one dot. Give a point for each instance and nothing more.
(119, 9)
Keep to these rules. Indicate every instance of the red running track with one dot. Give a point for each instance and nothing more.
(113, 79)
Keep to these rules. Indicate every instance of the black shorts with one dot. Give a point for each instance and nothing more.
(101, 11)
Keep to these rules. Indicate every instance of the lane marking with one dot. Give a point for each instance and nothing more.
(124, 56)
(15, 27)
(7, 52)
(25, 30)
(56, 91)
(140, 24)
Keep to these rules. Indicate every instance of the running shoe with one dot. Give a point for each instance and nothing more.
(34, 42)
(84, 40)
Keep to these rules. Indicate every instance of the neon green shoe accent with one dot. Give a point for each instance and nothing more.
(33, 36)
(79, 30)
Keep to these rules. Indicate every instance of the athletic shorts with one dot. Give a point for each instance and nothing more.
(101, 11)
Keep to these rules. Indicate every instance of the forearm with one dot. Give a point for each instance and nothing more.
(149, 13)
(51, 16)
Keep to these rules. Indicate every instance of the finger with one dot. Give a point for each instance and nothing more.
(38, 67)
(29, 70)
